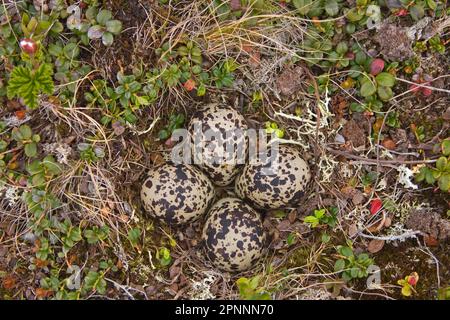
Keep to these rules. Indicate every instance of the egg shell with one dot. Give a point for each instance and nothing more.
(230, 126)
(283, 188)
(233, 235)
(177, 194)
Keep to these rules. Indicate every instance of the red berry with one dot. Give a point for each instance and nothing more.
(375, 206)
(412, 280)
(426, 91)
(376, 67)
(28, 46)
(401, 12)
(414, 88)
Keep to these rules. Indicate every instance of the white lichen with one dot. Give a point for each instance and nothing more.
(13, 121)
(201, 290)
(62, 151)
(404, 177)
(12, 195)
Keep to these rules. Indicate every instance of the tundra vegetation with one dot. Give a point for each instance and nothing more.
(91, 92)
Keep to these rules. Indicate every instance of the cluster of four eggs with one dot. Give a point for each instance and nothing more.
(233, 234)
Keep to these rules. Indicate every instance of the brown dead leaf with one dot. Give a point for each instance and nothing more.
(156, 158)
(354, 133)
(255, 59)
(9, 282)
(235, 5)
(387, 222)
(431, 241)
(290, 81)
(375, 245)
(174, 271)
(388, 144)
(41, 263)
(378, 225)
(283, 225)
(292, 216)
(13, 105)
(118, 128)
(348, 191)
(43, 293)
(358, 197)
(352, 230)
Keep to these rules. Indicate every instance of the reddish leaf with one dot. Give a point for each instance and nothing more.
(9, 282)
(20, 114)
(375, 206)
(189, 85)
(413, 278)
(350, 55)
(235, 5)
(376, 67)
(426, 91)
(414, 88)
(43, 293)
(431, 241)
(388, 144)
(401, 13)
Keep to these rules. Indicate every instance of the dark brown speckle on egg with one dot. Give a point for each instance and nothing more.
(229, 125)
(177, 193)
(233, 235)
(282, 189)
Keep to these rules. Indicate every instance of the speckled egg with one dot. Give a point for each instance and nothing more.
(177, 193)
(210, 152)
(281, 187)
(233, 235)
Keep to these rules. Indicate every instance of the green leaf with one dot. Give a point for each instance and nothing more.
(332, 7)
(368, 88)
(354, 272)
(431, 4)
(417, 12)
(441, 163)
(134, 235)
(346, 251)
(303, 6)
(339, 265)
(51, 165)
(25, 132)
(363, 257)
(107, 38)
(406, 290)
(114, 26)
(38, 180)
(254, 282)
(446, 147)
(28, 84)
(103, 16)
(429, 178)
(384, 93)
(31, 149)
(325, 238)
(34, 167)
(385, 79)
(444, 182)
(360, 57)
(313, 221)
